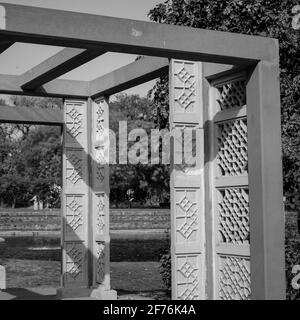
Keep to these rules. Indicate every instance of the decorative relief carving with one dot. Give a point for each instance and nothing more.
(74, 263)
(100, 214)
(188, 277)
(74, 166)
(100, 173)
(232, 157)
(232, 95)
(234, 278)
(187, 213)
(233, 210)
(184, 87)
(100, 272)
(100, 155)
(74, 119)
(100, 118)
(74, 213)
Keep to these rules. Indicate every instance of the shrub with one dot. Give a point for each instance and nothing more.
(292, 254)
(165, 269)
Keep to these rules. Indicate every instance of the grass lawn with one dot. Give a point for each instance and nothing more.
(126, 277)
(134, 264)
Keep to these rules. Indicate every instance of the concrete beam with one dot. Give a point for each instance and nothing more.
(265, 184)
(31, 115)
(10, 84)
(27, 24)
(131, 75)
(57, 65)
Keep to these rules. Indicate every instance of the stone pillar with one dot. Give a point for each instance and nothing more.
(100, 199)
(75, 201)
(265, 184)
(85, 201)
(187, 184)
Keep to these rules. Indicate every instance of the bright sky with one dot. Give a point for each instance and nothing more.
(21, 57)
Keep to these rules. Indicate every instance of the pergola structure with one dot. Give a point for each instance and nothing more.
(225, 85)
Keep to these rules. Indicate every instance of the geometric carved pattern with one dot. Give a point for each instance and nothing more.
(100, 118)
(100, 272)
(232, 157)
(100, 173)
(234, 278)
(100, 213)
(100, 192)
(74, 213)
(74, 261)
(186, 178)
(188, 272)
(74, 172)
(232, 95)
(185, 87)
(100, 155)
(232, 232)
(190, 223)
(74, 122)
(233, 208)
(76, 195)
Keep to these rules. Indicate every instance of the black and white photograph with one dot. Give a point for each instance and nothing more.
(149, 150)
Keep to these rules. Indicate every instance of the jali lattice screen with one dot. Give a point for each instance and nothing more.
(230, 189)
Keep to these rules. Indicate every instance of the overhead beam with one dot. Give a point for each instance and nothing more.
(10, 84)
(133, 74)
(29, 115)
(81, 30)
(57, 65)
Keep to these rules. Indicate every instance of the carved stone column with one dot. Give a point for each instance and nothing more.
(85, 201)
(75, 201)
(100, 199)
(187, 184)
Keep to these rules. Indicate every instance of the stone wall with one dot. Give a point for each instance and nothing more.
(29, 220)
(49, 220)
(120, 219)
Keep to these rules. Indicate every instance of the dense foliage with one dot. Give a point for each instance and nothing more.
(148, 184)
(31, 167)
(271, 18)
(30, 158)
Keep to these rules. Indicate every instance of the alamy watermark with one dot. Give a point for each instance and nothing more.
(296, 280)
(154, 147)
(296, 17)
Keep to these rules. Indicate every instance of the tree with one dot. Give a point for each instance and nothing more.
(30, 158)
(42, 157)
(272, 18)
(150, 184)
